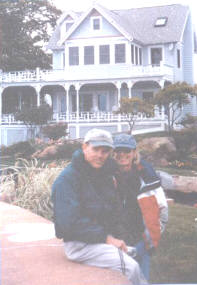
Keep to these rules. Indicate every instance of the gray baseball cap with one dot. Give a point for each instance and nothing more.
(99, 137)
(125, 141)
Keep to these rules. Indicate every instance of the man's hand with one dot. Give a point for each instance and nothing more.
(116, 242)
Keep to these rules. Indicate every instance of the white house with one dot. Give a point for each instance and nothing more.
(100, 56)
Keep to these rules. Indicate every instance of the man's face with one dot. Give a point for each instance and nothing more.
(124, 158)
(96, 156)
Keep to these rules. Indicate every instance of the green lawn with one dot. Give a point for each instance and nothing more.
(175, 261)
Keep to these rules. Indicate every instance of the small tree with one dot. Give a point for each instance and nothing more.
(131, 107)
(34, 116)
(173, 98)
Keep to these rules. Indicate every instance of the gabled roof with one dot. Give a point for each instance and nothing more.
(134, 24)
(141, 22)
(52, 44)
(113, 18)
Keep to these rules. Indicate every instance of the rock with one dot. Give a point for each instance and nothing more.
(186, 184)
(158, 150)
(155, 143)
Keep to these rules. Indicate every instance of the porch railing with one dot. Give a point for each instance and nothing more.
(87, 117)
(87, 73)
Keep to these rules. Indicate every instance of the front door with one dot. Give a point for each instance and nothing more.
(102, 102)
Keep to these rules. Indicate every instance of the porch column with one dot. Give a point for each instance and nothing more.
(161, 83)
(95, 102)
(67, 87)
(118, 85)
(38, 88)
(1, 92)
(77, 87)
(130, 85)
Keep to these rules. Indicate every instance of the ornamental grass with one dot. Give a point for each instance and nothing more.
(28, 185)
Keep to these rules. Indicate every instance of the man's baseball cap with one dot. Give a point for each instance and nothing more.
(125, 141)
(99, 137)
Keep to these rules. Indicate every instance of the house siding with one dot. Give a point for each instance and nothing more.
(188, 64)
(188, 53)
(85, 30)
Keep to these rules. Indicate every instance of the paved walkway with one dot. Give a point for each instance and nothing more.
(31, 255)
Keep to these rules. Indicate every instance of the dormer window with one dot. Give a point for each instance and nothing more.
(161, 22)
(68, 25)
(65, 27)
(96, 23)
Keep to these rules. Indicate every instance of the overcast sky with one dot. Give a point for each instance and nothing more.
(83, 5)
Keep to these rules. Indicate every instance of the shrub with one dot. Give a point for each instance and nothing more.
(25, 149)
(55, 131)
(185, 141)
(66, 150)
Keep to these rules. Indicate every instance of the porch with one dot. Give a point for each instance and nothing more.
(80, 100)
(13, 131)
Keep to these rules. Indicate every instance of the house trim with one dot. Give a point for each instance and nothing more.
(105, 15)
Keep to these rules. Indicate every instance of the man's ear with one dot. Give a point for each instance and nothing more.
(84, 146)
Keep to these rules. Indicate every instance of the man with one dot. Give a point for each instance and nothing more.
(85, 203)
(144, 207)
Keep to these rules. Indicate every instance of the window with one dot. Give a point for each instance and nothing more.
(96, 23)
(73, 56)
(178, 58)
(104, 56)
(85, 102)
(136, 56)
(156, 56)
(161, 22)
(140, 56)
(88, 55)
(63, 59)
(132, 54)
(119, 53)
(147, 96)
(68, 25)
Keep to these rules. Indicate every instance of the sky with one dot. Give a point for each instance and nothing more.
(83, 5)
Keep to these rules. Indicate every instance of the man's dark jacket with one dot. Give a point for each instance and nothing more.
(83, 198)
